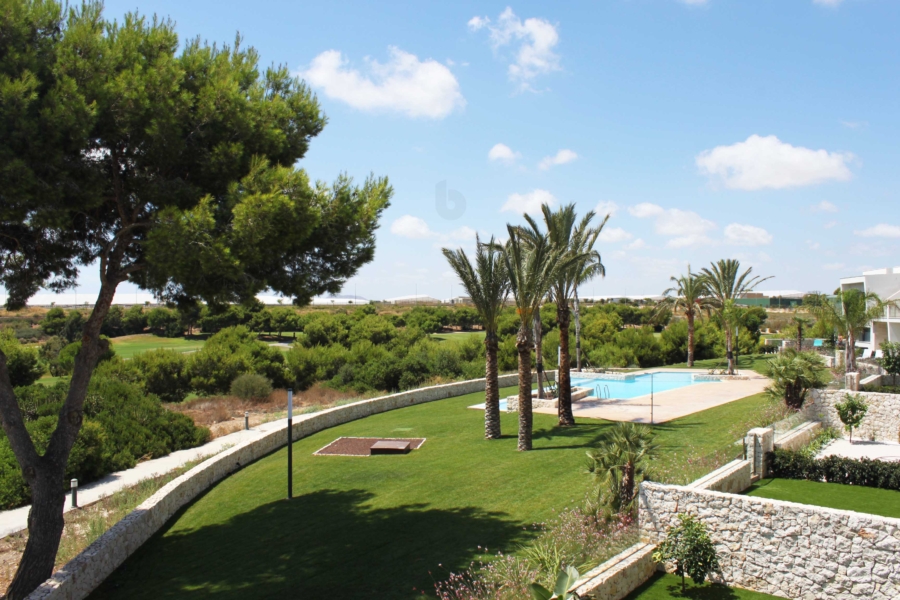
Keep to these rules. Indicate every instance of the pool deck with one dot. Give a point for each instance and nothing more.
(671, 404)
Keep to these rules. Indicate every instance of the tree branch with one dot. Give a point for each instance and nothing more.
(14, 425)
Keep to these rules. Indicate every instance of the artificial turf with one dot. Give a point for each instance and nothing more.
(131, 345)
(389, 526)
(857, 498)
(664, 586)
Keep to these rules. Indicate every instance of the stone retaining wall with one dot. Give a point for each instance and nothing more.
(882, 422)
(732, 478)
(620, 575)
(87, 570)
(782, 548)
(799, 436)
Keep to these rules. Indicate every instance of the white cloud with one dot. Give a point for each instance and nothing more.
(747, 235)
(880, 230)
(767, 162)
(606, 208)
(833, 266)
(825, 206)
(830, 224)
(404, 84)
(635, 245)
(694, 2)
(832, 3)
(676, 222)
(536, 39)
(614, 234)
(855, 124)
(503, 153)
(411, 227)
(813, 245)
(645, 209)
(562, 157)
(415, 228)
(528, 203)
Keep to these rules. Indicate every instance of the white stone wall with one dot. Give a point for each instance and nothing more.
(620, 575)
(86, 571)
(799, 436)
(882, 422)
(782, 548)
(732, 478)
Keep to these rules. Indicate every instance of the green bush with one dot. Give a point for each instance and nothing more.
(164, 373)
(230, 353)
(121, 425)
(54, 321)
(835, 469)
(251, 386)
(164, 322)
(23, 363)
(65, 360)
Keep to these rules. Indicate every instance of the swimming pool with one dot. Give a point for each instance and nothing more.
(639, 385)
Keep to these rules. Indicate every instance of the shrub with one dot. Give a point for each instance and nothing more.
(852, 411)
(164, 322)
(121, 425)
(688, 547)
(230, 353)
(835, 469)
(251, 386)
(164, 373)
(65, 360)
(22, 363)
(793, 375)
(53, 321)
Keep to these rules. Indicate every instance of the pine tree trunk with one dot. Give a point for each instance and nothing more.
(563, 377)
(577, 333)
(45, 474)
(539, 352)
(525, 417)
(690, 324)
(491, 388)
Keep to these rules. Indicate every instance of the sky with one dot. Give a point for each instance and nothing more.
(764, 131)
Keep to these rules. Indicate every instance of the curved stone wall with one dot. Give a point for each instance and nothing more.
(85, 572)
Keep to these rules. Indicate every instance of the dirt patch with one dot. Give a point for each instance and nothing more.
(354, 446)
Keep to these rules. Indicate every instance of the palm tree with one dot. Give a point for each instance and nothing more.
(849, 314)
(487, 285)
(575, 241)
(688, 295)
(724, 283)
(621, 457)
(801, 322)
(531, 266)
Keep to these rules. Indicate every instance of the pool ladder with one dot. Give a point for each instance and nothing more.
(601, 390)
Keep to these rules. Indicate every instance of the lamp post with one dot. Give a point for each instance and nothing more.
(74, 485)
(290, 440)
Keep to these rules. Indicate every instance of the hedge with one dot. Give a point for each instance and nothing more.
(787, 464)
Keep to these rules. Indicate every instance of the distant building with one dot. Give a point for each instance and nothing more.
(458, 300)
(414, 299)
(337, 300)
(637, 298)
(885, 283)
(772, 299)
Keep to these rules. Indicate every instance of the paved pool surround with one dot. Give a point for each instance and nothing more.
(80, 576)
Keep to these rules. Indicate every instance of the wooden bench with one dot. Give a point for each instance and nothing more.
(390, 447)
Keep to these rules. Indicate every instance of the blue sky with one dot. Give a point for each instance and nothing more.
(764, 130)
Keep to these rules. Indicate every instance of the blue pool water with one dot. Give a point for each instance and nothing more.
(640, 385)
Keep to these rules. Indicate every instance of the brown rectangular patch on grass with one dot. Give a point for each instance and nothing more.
(357, 446)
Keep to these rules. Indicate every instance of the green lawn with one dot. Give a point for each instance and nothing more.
(457, 336)
(129, 346)
(663, 586)
(390, 526)
(753, 362)
(858, 498)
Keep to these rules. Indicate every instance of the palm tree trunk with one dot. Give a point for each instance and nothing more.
(729, 351)
(690, 323)
(525, 417)
(577, 333)
(799, 337)
(491, 388)
(538, 352)
(563, 376)
(851, 351)
(627, 490)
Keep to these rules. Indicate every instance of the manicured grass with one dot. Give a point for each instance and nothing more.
(48, 380)
(457, 336)
(753, 362)
(389, 526)
(858, 498)
(129, 346)
(665, 586)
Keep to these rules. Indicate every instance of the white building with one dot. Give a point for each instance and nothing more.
(885, 283)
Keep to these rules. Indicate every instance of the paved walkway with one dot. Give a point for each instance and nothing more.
(671, 404)
(887, 451)
(16, 519)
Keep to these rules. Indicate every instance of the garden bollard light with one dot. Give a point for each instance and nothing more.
(74, 484)
(246, 420)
